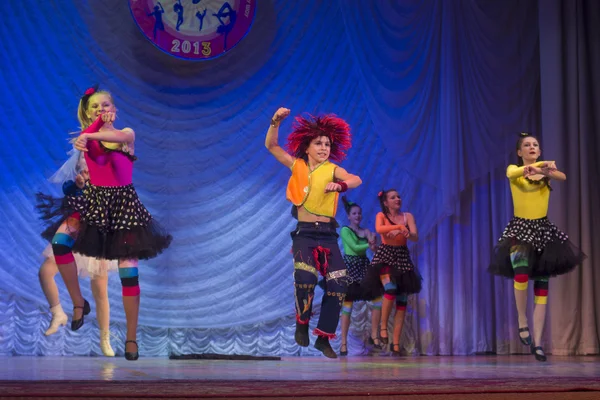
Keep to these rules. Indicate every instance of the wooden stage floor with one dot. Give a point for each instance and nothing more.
(302, 377)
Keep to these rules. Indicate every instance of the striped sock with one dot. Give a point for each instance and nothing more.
(376, 303)
(540, 291)
(61, 247)
(129, 281)
(390, 290)
(401, 301)
(520, 267)
(347, 308)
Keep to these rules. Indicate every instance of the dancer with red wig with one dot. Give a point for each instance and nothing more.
(314, 189)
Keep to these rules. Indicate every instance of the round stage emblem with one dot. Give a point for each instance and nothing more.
(194, 29)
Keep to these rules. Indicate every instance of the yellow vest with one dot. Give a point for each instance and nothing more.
(530, 200)
(307, 188)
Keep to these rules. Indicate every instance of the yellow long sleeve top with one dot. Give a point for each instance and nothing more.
(530, 200)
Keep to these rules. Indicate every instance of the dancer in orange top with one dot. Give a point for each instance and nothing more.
(392, 266)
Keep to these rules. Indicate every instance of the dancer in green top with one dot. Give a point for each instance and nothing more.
(357, 241)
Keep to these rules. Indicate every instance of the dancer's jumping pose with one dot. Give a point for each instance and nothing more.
(313, 189)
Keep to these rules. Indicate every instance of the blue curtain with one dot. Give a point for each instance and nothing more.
(434, 90)
(569, 65)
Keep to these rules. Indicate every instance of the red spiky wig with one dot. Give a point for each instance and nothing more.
(305, 129)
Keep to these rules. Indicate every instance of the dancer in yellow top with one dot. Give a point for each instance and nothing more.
(532, 247)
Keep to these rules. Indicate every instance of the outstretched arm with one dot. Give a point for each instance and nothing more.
(382, 228)
(272, 139)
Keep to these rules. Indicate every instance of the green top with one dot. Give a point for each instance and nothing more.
(353, 244)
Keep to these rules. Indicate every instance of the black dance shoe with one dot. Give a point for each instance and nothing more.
(131, 356)
(538, 352)
(344, 353)
(375, 343)
(78, 323)
(384, 340)
(525, 340)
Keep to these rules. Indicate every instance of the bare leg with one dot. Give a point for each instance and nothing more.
(375, 320)
(386, 309)
(131, 300)
(521, 303)
(375, 317)
(539, 315)
(539, 319)
(401, 302)
(100, 291)
(346, 315)
(398, 324)
(519, 261)
(66, 266)
(48, 271)
(69, 275)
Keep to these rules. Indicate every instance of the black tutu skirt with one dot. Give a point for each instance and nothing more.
(548, 250)
(357, 269)
(53, 211)
(396, 261)
(114, 223)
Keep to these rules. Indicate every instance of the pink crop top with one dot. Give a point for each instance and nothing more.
(107, 167)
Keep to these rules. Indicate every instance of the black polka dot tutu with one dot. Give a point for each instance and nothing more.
(395, 261)
(115, 224)
(547, 249)
(357, 268)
